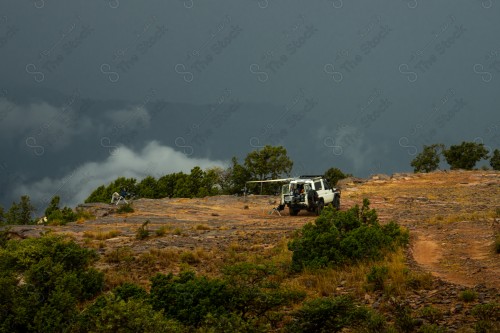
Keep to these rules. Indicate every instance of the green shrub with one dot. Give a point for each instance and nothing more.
(109, 314)
(189, 257)
(431, 313)
(129, 290)
(328, 315)
(126, 208)
(161, 231)
(56, 277)
(488, 317)
(376, 323)
(187, 298)
(377, 277)
(468, 296)
(256, 290)
(344, 237)
(143, 231)
(404, 320)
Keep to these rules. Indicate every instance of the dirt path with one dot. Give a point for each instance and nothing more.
(452, 216)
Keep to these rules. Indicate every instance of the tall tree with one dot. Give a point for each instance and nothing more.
(53, 205)
(428, 160)
(270, 162)
(466, 155)
(239, 175)
(21, 213)
(495, 160)
(147, 188)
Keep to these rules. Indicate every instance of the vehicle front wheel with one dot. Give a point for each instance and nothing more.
(293, 212)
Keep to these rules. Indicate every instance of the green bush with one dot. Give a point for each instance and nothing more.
(143, 231)
(109, 314)
(187, 298)
(468, 296)
(42, 282)
(377, 277)
(248, 296)
(256, 290)
(344, 237)
(486, 311)
(328, 315)
(404, 320)
(431, 314)
(130, 291)
(126, 208)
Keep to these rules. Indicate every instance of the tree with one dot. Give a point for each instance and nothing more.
(495, 160)
(56, 275)
(333, 175)
(428, 160)
(239, 175)
(147, 188)
(53, 206)
(196, 178)
(212, 180)
(21, 213)
(2, 215)
(269, 162)
(466, 155)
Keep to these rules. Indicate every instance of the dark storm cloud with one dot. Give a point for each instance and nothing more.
(360, 85)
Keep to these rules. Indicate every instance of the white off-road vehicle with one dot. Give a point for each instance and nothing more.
(311, 193)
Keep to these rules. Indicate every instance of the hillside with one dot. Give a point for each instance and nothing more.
(452, 218)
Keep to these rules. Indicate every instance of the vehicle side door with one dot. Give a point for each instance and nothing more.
(326, 192)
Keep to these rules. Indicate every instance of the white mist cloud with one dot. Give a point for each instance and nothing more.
(74, 187)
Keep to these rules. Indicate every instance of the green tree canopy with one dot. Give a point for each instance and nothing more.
(268, 162)
(53, 205)
(21, 213)
(238, 176)
(495, 160)
(333, 175)
(428, 160)
(466, 155)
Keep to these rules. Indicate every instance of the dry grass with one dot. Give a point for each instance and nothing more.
(202, 227)
(121, 255)
(462, 217)
(163, 230)
(101, 235)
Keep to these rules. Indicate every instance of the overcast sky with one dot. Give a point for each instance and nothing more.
(93, 90)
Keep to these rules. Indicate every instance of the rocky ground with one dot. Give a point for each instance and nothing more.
(452, 218)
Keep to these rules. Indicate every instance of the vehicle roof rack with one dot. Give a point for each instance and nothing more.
(311, 176)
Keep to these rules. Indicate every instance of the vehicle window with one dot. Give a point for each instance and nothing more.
(327, 186)
(285, 189)
(317, 185)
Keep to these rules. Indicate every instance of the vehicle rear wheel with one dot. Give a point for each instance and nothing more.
(293, 212)
(336, 203)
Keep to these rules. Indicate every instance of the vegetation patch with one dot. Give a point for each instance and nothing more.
(344, 237)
